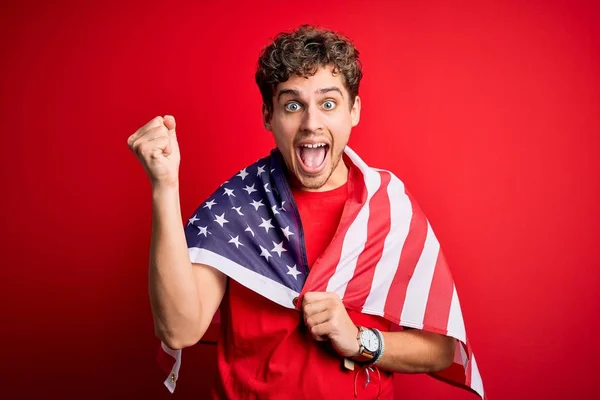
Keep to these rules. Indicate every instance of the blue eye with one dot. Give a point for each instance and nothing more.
(292, 107)
(329, 105)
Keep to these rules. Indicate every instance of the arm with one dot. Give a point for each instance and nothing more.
(409, 351)
(416, 351)
(184, 296)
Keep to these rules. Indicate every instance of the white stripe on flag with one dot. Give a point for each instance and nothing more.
(460, 355)
(419, 285)
(176, 354)
(263, 285)
(356, 236)
(456, 324)
(476, 382)
(400, 216)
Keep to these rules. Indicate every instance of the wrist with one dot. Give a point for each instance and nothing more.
(370, 344)
(356, 348)
(161, 189)
(381, 348)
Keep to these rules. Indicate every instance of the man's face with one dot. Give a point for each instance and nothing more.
(311, 124)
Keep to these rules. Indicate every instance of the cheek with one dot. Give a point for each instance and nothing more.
(341, 121)
(340, 128)
(284, 131)
(284, 139)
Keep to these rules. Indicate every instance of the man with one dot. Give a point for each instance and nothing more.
(295, 315)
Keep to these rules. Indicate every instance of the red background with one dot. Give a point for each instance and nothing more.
(490, 113)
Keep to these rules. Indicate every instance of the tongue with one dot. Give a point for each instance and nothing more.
(312, 158)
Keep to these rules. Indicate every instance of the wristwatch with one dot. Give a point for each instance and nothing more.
(368, 345)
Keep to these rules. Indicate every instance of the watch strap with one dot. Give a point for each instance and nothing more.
(381, 348)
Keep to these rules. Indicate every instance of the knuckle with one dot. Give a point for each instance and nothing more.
(145, 149)
(136, 144)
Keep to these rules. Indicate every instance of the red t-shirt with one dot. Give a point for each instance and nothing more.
(266, 351)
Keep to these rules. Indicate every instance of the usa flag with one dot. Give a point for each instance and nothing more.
(384, 258)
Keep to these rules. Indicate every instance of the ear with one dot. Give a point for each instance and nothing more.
(266, 117)
(355, 111)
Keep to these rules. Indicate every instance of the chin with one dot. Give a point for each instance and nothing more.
(314, 182)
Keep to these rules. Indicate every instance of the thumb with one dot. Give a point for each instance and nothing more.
(169, 122)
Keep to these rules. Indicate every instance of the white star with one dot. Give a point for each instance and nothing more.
(203, 231)
(272, 169)
(224, 183)
(237, 209)
(287, 232)
(250, 189)
(243, 174)
(266, 188)
(228, 192)
(266, 224)
(193, 219)
(293, 271)
(265, 253)
(221, 220)
(278, 248)
(248, 229)
(257, 204)
(236, 241)
(209, 204)
(274, 208)
(282, 206)
(260, 170)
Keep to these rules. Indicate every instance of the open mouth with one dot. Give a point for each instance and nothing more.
(312, 157)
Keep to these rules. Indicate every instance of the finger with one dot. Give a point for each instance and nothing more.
(315, 308)
(317, 319)
(154, 133)
(169, 122)
(153, 123)
(312, 297)
(154, 148)
(168, 148)
(321, 332)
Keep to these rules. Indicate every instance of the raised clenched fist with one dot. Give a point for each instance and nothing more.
(155, 145)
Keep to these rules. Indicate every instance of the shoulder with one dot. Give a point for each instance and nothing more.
(374, 176)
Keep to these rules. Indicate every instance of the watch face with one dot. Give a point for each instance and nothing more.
(370, 340)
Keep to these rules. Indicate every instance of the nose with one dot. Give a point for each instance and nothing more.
(311, 120)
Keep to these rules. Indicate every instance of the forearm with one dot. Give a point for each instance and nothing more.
(416, 351)
(173, 291)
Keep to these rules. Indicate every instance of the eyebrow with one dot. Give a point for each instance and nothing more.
(296, 93)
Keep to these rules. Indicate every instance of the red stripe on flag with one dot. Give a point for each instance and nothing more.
(324, 267)
(439, 299)
(454, 375)
(378, 227)
(409, 256)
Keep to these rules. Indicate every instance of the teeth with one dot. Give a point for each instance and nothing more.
(314, 146)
